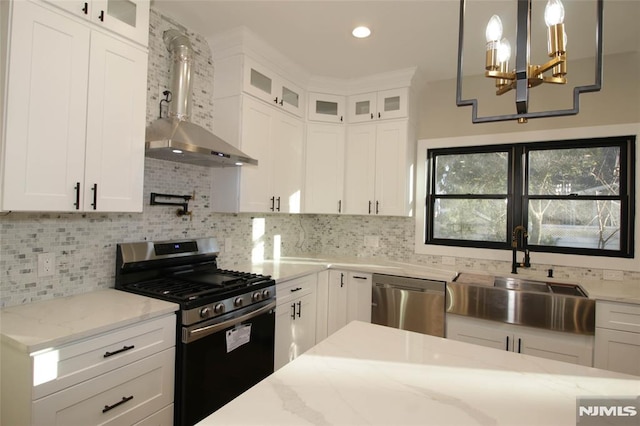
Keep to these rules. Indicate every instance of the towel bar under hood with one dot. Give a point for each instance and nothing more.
(175, 138)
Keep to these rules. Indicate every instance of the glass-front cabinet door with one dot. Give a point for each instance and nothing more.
(326, 108)
(129, 18)
(264, 84)
(380, 105)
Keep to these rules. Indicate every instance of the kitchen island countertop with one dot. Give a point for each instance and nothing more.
(366, 374)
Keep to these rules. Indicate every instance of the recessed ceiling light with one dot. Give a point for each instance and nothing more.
(361, 32)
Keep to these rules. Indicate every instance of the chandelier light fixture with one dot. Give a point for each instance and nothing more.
(526, 75)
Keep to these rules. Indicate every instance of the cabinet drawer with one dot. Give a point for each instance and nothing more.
(618, 316)
(120, 397)
(287, 291)
(68, 365)
(163, 417)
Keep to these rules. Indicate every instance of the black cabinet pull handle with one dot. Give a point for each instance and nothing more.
(299, 308)
(377, 207)
(273, 203)
(339, 206)
(379, 115)
(278, 208)
(372, 116)
(77, 203)
(276, 100)
(507, 348)
(293, 290)
(122, 401)
(281, 102)
(359, 278)
(124, 349)
(341, 119)
(101, 16)
(95, 196)
(369, 207)
(341, 279)
(519, 345)
(293, 313)
(85, 9)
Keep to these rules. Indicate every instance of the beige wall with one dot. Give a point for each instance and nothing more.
(618, 102)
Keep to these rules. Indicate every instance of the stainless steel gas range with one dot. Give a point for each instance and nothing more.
(225, 325)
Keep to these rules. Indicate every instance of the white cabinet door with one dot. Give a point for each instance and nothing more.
(326, 108)
(337, 309)
(567, 347)
(617, 351)
(385, 104)
(393, 171)
(324, 169)
(286, 157)
(116, 126)
(266, 85)
(46, 110)
(359, 177)
(359, 297)
(258, 128)
(128, 18)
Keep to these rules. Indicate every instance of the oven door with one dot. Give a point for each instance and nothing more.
(219, 359)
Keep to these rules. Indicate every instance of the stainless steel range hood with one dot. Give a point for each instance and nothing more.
(175, 138)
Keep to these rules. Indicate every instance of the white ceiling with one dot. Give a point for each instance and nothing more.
(316, 35)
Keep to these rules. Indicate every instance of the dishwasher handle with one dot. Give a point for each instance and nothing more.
(419, 285)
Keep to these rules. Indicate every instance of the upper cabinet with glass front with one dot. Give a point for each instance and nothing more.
(326, 108)
(386, 104)
(129, 18)
(265, 84)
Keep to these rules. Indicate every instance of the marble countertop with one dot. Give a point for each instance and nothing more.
(54, 322)
(366, 374)
(286, 269)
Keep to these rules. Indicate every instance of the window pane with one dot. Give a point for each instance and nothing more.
(478, 174)
(581, 171)
(474, 220)
(591, 224)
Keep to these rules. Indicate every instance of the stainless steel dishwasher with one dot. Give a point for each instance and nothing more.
(413, 304)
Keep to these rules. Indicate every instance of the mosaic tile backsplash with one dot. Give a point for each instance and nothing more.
(84, 245)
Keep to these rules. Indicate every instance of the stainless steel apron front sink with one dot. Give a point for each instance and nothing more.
(551, 306)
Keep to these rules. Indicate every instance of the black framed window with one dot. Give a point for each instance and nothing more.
(573, 196)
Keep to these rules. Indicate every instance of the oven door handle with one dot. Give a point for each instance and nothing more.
(198, 333)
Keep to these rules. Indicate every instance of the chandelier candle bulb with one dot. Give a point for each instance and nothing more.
(493, 34)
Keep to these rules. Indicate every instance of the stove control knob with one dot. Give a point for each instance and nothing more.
(256, 296)
(218, 308)
(205, 312)
(238, 302)
(266, 294)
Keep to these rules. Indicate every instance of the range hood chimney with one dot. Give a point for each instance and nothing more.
(175, 138)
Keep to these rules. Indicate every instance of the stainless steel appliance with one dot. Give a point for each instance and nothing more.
(412, 304)
(225, 325)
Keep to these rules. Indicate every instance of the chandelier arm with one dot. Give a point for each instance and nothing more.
(548, 65)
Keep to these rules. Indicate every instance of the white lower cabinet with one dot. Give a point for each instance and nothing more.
(567, 347)
(617, 342)
(295, 319)
(121, 377)
(349, 299)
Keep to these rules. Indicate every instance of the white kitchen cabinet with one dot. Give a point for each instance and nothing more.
(122, 376)
(385, 104)
(617, 341)
(349, 299)
(324, 168)
(567, 347)
(267, 85)
(128, 18)
(327, 108)
(379, 167)
(295, 319)
(75, 116)
(272, 137)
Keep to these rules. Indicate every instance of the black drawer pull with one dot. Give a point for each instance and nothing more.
(359, 277)
(296, 289)
(124, 349)
(122, 401)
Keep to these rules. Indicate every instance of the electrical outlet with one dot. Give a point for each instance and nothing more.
(371, 241)
(612, 275)
(46, 264)
(448, 260)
